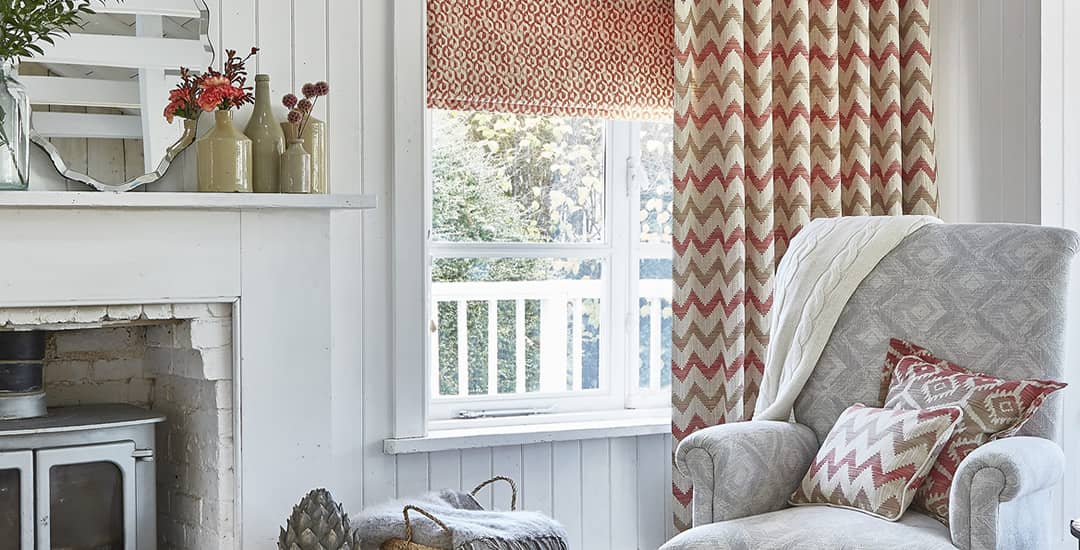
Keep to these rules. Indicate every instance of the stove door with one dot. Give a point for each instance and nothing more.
(86, 497)
(17, 498)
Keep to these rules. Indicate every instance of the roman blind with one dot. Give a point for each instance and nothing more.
(581, 58)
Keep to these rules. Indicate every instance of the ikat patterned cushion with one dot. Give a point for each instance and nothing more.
(993, 408)
(874, 459)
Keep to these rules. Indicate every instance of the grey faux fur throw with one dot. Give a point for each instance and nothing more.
(472, 527)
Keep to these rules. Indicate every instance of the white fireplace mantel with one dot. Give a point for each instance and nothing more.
(192, 201)
(291, 265)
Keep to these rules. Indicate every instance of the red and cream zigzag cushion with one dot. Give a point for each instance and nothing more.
(874, 459)
(993, 408)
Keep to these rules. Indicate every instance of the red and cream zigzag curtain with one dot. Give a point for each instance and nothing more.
(786, 110)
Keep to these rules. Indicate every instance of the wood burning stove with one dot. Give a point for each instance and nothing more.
(22, 387)
(80, 478)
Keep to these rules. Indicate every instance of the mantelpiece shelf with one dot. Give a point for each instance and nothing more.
(192, 201)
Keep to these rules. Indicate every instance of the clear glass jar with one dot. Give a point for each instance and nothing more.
(14, 130)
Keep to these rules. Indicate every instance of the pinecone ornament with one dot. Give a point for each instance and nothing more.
(318, 523)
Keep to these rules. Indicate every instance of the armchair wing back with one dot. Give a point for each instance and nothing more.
(990, 297)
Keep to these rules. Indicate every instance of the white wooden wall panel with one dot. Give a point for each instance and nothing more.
(275, 295)
(567, 488)
(986, 94)
(1060, 199)
(537, 473)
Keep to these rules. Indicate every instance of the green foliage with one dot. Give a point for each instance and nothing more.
(24, 24)
(500, 177)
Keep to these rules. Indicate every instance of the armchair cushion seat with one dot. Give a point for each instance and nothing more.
(815, 528)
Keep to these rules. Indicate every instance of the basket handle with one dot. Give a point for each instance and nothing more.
(513, 489)
(423, 512)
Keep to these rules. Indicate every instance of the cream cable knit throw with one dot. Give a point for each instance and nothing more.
(823, 266)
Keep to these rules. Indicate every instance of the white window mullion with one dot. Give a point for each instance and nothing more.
(620, 342)
(493, 346)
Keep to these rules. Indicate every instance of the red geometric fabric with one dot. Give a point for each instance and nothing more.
(899, 349)
(993, 408)
(785, 111)
(579, 58)
(874, 459)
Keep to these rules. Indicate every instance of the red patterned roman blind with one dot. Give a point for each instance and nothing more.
(583, 58)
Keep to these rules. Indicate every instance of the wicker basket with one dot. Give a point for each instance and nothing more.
(407, 542)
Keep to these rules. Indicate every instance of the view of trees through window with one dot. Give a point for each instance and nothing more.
(499, 177)
(519, 180)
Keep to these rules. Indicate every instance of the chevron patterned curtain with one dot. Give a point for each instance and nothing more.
(786, 110)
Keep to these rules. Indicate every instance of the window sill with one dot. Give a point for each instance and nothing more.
(630, 424)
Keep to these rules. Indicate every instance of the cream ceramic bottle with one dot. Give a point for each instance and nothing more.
(267, 140)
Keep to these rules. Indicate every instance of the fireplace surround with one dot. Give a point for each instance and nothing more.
(112, 374)
(295, 378)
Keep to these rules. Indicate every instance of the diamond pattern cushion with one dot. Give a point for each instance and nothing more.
(874, 459)
(898, 349)
(993, 408)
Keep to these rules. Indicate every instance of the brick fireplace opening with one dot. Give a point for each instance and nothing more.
(173, 359)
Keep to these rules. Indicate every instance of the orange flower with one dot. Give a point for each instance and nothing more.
(179, 94)
(211, 82)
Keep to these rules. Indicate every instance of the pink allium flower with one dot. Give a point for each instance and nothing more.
(289, 100)
(295, 117)
(321, 88)
(304, 106)
(308, 90)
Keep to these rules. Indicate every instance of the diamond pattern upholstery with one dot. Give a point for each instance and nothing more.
(988, 295)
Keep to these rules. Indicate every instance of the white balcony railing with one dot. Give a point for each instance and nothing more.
(562, 315)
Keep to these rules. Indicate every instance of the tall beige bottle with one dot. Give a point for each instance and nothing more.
(267, 141)
(315, 143)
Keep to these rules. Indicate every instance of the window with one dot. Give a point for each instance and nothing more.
(550, 261)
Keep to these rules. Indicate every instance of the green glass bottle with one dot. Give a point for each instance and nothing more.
(267, 141)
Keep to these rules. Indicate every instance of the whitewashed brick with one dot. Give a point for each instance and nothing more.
(158, 361)
(87, 393)
(186, 508)
(124, 313)
(66, 371)
(56, 315)
(90, 314)
(181, 335)
(211, 333)
(190, 311)
(221, 309)
(158, 311)
(94, 340)
(223, 394)
(160, 336)
(217, 363)
(21, 316)
(139, 391)
(187, 363)
(118, 369)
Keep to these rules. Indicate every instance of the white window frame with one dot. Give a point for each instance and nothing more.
(619, 251)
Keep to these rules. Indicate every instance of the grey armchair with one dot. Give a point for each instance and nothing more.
(987, 296)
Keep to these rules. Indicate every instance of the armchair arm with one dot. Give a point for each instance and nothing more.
(745, 468)
(1000, 496)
